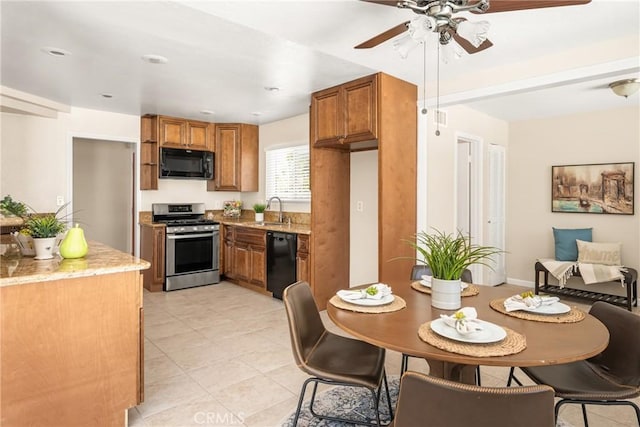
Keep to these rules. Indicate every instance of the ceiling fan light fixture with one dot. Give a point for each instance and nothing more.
(625, 87)
(451, 51)
(475, 32)
(404, 45)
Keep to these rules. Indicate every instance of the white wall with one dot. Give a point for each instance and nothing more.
(599, 137)
(35, 153)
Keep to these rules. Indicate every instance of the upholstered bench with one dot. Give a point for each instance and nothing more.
(588, 292)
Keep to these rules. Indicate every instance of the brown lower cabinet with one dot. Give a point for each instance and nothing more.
(152, 249)
(72, 350)
(244, 256)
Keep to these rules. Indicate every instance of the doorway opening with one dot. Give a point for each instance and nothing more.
(103, 191)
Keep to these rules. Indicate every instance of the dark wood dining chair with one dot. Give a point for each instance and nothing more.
(329, 358)
(610, 378)
(416, 274)
(426, 400)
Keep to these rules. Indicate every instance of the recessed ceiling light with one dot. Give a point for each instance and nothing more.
(271, 88)
(106, 95)
(256, 113)
(56, 51)
(154, 59)
(207, 112)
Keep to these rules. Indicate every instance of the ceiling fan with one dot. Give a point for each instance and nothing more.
(437, 16)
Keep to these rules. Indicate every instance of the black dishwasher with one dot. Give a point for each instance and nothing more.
(281, 261)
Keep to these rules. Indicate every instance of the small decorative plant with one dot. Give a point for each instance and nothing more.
(44, 226)
(10, 207)
(449, 256)
(259, 207)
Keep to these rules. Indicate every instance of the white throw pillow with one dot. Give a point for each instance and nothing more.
(599, 253)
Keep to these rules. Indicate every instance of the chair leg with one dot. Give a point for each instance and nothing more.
(404, 364)
(303, 391)
(512, 377)
(375, 393)
(386, 386)
(584, 415)
(478, 378)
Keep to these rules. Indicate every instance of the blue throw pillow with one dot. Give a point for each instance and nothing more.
(565, 240)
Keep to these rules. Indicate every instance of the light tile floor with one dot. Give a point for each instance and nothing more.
(220, 356)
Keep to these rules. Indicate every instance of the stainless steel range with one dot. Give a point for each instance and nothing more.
(192, 245)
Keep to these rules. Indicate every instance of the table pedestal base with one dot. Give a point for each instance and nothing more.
(452, 371)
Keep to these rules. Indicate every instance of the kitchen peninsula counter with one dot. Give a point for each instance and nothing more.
(101, 259)
(71, 338)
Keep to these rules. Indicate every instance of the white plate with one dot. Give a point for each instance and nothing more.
(463, 285)
(489, 333)
(555, 308)
(370, 301)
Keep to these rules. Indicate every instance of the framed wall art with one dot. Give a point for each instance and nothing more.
(605, 188)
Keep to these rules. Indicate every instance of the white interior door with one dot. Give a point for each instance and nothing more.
(463, 210)
(496, 221)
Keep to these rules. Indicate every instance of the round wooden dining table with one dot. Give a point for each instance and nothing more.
(546, 343)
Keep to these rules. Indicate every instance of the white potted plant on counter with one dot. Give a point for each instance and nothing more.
(259, 209)
(44, 230)
(447, 257)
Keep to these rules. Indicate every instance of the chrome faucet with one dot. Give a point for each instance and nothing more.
(280, 219)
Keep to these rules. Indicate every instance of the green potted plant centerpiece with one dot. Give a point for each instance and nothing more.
(259, 210)
(44, 229)
(448, 256)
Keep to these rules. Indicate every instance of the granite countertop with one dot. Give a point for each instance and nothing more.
(251, 223)
(101, 259)
(285, 228)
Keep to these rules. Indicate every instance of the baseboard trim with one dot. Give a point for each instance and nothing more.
(519, 282)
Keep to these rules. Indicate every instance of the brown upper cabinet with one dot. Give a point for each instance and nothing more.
(181, 133)
(236, 160)
(162, 131)
(346, 114)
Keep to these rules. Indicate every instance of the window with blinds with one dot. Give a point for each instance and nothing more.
(287, 173)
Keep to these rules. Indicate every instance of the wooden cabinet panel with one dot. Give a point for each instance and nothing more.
(327, 111)
(149, 153)
(68, 344)
(152, 249)
(198, 135)
(227, 251)
(258, 266)
(302, 259)
(360, 110)
(346, 114)
(241, 262)
(236, 148)
(173, 132)
(227, 173)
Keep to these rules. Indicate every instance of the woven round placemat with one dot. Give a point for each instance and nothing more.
(469, 291)
(572, 316)
(513, 343)
(395, 305)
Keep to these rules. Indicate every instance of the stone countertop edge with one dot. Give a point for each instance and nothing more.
(100, 260)
(293, 228)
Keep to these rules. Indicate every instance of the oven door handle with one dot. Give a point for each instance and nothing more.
(187, 236)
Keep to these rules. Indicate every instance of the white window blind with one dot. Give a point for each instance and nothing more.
(287, 173)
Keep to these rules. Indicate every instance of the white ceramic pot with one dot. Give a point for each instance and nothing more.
(260, 217)
(44, 248)
(445, 294)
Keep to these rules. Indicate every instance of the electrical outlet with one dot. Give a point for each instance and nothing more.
(359, 206)
(60, 201)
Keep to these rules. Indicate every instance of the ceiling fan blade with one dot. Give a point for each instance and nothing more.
(509, 5)
(383, 37)
(466, 44)
(393, 3)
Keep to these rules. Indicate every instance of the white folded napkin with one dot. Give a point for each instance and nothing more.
(465, 320)
(382, 291)
(528, 302)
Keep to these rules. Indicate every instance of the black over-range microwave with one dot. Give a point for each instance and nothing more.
(186, 164)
